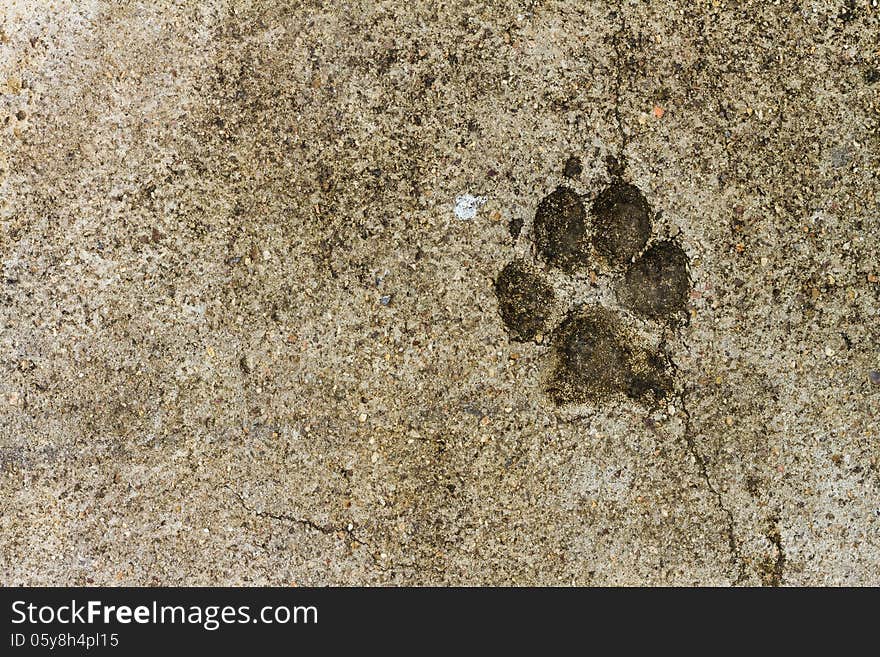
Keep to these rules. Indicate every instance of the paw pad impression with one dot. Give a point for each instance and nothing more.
(594, 353)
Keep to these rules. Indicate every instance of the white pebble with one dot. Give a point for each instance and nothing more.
(466, 206)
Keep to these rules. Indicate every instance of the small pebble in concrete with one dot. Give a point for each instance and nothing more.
(874, 375)
(466, 206)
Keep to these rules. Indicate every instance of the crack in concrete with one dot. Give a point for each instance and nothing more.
(775, 568)
(307, 523)
(733, 543)
(385, 564)
(688, 435)
(618, 89)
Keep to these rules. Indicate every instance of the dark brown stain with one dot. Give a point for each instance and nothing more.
(560, 230)
(622, 223)
(656, 285)
(597, 358)
(524, 300)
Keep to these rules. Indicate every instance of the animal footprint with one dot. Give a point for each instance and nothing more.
(595, 355)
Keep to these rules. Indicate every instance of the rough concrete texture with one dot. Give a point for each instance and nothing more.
(244, 338)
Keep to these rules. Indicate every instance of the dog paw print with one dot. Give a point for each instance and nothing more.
(596, 282)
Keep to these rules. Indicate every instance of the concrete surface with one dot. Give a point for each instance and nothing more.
(245, 339)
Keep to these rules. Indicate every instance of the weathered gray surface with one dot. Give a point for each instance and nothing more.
(207, 205)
